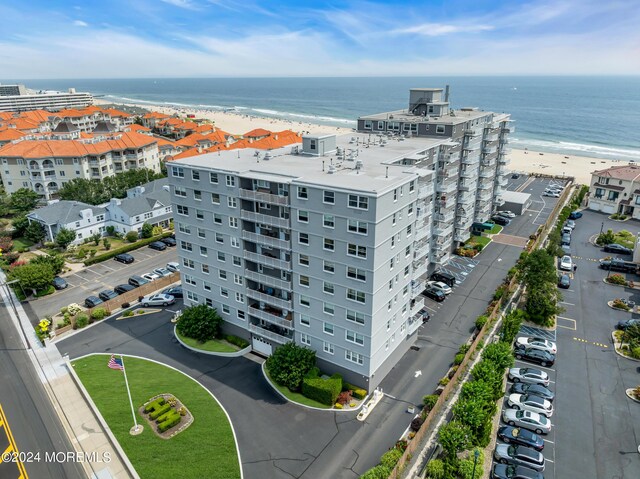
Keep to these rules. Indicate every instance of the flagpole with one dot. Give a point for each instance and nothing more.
(126, 381)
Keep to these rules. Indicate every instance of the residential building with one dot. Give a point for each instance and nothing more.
(12, 90)
(84, 219)
(616, 190)
(24, 100)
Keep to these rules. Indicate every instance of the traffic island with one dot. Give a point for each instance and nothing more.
(622, 348)
(134, 313)
(634, 394)
(623, 305)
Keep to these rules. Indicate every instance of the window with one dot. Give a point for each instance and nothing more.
(613, 195)
(406, 271)
(200, 214)
(240, 315)
(393, 219)
(355, 295)
(189, 280)
(393, 241)
(219, 238)
(360, 202)
(303, 193)
(185, 245)
(304, 281)
(356, 250)
(355, 316)
(240, 298)
(391, 285)
(395, 194)
(192, 296)
(205, 268)
(213, 178)
(203, 251)
(206, 286)
(180, 191)
(305, 301)
(380, 125)
(303, 216)
(182, 210)
(305, 320)
(405, 290)
(237, 261)
(197, 195)
(217, 219)
(412, 186)
(407, 250)
(202, 233)
(222, 274)
(359, 227)
(329, 244)
(237, 279)
(368, 125)
(233, 221)
(195, 175)
(304, 339)
(409, 231)
(327, 347)
(328, 288)
(232, 202)
(328, 267)
(355, 273)
(215, 198)
(188, 263)
(224, 292)
(328, 221)
(328, 328)
(329, 197)
(354, 337)
(177, 171)
(440, 129)
(235, 242)
(328, 308)
(221, 256)
(410, 209)
(303, 260)
(303, 238)
(225, 309)
(231, 180)
(354, 357)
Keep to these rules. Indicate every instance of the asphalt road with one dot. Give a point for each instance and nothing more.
(106, 275)
(31, 419)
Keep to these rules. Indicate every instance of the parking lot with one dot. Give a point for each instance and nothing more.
(106, 275)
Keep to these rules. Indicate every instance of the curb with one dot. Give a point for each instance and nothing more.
(137, 315)
(615, 348)
(237, 354)
(629, 393)
(610, 304)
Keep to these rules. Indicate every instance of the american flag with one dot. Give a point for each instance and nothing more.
(116, 363)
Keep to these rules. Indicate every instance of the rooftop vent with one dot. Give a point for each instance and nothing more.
(359, 164)
(331, 170)
(267, 156)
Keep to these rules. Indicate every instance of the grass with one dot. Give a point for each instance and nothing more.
(205, 449)
(625, 238)
(295, 397)
(22, 243)
(214, 345)
(495, 229)
(474, 240)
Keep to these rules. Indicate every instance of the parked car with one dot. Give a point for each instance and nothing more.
(424, 313)
(623, 325)
(162, 272)
(617, 248)
(439, 285)
(564, 281)
(519, 456)
(509, 471)
(533, 342)
(107, 294)
(151, 276)
(434, 294)
(566, 249)
(169, 241)
(527, 419)
(515, 176)
(173, 266)
(543, 358)
(123, 288)
(175, 291)
(620, 265)
(59, 283)
(574, 215)
(444, 277)
(158, 300)
(516, 435)
(137, 281)
(507, 214)
(92, 301)
(529, 375)
(530, 402)
(565, 263)
(566, 230)
(500, 220)
(570, 224)
(158, 246)
(566, 239)
(552, 194)
(124, 258)
(523, 388)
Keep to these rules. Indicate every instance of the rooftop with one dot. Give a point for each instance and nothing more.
(64, 212)
(453, 118)
(622, 172)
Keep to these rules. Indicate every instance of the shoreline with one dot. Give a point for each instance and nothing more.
(521, 160)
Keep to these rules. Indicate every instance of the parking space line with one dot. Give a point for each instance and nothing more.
(530, 365)
(572, 324)
(431, 309)
(547, 440)
(568, 304)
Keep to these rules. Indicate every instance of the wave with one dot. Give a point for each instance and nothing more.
(583, 149)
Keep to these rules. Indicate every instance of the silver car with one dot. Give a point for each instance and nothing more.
(530, 402)
(440, 286)
(158, 300)
(529, 375)
(519, 456)
(532, 342)
(162, 272)
(527, 419)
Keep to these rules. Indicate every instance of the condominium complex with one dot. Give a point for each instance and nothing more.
(329, 243)
(18, 98)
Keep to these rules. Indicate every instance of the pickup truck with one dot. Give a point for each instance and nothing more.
(617, 264)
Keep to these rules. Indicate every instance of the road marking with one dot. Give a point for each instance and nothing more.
(568, 304)
(417, 373)
(572, 323)
(547, 440)
(601, 345)
(12, 444)
(431, 309)
(546, 459)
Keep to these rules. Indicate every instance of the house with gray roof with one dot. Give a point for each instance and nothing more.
(82, 218)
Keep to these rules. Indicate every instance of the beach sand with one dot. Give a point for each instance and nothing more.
(522, 161)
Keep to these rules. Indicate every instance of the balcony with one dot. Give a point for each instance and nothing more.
(502, 181)
(417, 306)
(485, 184)
(264, 219)
(488, 163)
(422, 231)
(425, 190)
(443, 230)
(505, 151)
(420, 268)
(461, 235)
(421, 249)
(446, 217)
(509, 129)
(442, 260)
(488, 150)
(266, 240)
(491, 137)
(270, 299)
(267, 260)
(466, 198)
(471, 160)
(446, 187)
(267, 280)
(485, 195)
(274, 336)
(271, 318)
(498, 200)
(473, 131)
(263, 197)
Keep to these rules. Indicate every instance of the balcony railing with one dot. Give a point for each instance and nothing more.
(267, 298)
(490, 149)
(466, 198)
(487, 173)
(461, 235)
(446, 187)
(443, 230)
(278, 338)
(488, 163)
(471, 160)
(267, 240)
(420, 268)
(426, 190)
(444, 217)
(422, 231)
(271, 318)
(263, 197)
(264, 219)
(485, 184)
(491, 137)
(421, 249)
(509, 129)
(267, 280)
(268, 260)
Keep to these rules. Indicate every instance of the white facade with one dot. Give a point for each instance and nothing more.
(45, 101)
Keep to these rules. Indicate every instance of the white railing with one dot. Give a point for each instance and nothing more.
(278, 338)
(426, 190)
(267, 298)
(420, 268)
(491, 137)
(268, 240)
(263, 197)
(271, 318)
(471, 160)
(417, 307)
(264, 219)
(421, 250)
(267, 260)
(446, 187)
(268, 280)
(443, 230)
(422, 231)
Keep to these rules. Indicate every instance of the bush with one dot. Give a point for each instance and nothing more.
(356, 392)
(378, 472)
(153, 404)
(429, 401)
(123, 249)
(458, 359)
(390, 458)
(127, 314)
(99, 313)
(125, 305)
(338, 406)
(64, 310)
(618, 303)
(635, 352)
(444, 381)
(199, 322)
(324, 391)
(435, 469)
(236, 341)
(511, 325)
(464, 348)
(605, 238)
(169, 423)
(416, 423)
(82, 320)
(617, 279)
(344, 397)
(289, 364)
(481, 321)
(159, 411)
(465, 466)
(131, 236)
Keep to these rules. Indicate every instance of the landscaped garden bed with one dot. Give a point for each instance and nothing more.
(473, 246)
(166, 415)
(132, 313)
(634, 394)
(627, 343)
(622, 237)
(215, 345)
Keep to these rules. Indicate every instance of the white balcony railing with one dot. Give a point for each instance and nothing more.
(267, 260)
(278, 338)
(264, 219)
(268, 280)
(425, 191)
(446, 187)
(267, 298)
(263, 197)
(267, 240)
(271, 318)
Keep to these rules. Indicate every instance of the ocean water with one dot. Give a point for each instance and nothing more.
(590, 116)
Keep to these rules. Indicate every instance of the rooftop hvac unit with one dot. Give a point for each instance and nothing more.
(359, 164)
(267, 156)
(332, 169)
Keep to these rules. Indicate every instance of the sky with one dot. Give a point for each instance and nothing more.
(261, 38)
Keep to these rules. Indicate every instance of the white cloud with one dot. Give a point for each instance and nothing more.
(439, 29)
(80, 23)
(186, 4)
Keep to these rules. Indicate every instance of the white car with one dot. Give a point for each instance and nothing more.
(552, 194)
(158, 300)
(531, 402)
(507, 214)
(440, 286)
(532, 342)
(565, 263)
(151, 276)
(528, 420)
(162, 272)
(529, 376)
(173, 266)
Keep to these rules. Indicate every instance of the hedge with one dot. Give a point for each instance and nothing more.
(154, 404)
(169, 423)
(125, 249)
(356, 392)
(324, 391)
(167, 415)
(237, 341)
(160, 411)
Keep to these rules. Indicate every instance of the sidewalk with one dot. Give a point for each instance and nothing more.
(83, 425)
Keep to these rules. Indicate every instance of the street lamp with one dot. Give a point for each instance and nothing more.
(601, 227)
(476, 454)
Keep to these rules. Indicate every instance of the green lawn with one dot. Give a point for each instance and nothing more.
(22, 243)
(296, 397)
(625, 238)
(214, 345)
(495, 229)
(474, 240)
(205, 449)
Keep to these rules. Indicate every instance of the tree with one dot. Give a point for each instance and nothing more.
(146, 231)
(541, 304)
(23, 200)
(511, 325)
(486, 371)
(199, 322)
(55, 261)
(465, 467)
(454, 437)
(65, 237)
(499, 354)
(539, 268)
(606, 238)
(289, 364)
(435, 469)
(34, 232)
(95, 238)
(477, 389)
(131, 236)
(32, 276)
(472, 412)
(20, 225)
(106, 243)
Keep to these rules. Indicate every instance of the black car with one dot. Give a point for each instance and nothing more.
(536, 389)
(617, 248)
(444, 277)
(434, 294)
(518, 435)
(158, 246)
(124, 258)
(59, 283)
(537, 356)
(623, 325)
(500, 220)
(123, 288)
(169, 241)
(564, 281)
(175, 291)
(617, 264)
(92, 301)
(136, 280)
(515, 176)
(107, 294)
(509, 471)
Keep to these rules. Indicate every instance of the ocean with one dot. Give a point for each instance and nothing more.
(590, 116)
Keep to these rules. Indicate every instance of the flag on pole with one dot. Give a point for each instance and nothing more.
(116, 363)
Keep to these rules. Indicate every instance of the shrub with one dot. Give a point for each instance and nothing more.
(159, 411)
(435, 469)
(617, 279)
(499, 354)
(390, 458)
(131, 236)
(74, 309)
(444, 381)
(313, 373)
(167, 415)
(64, 310)
(378, 472)
(236, 341)
(511, 325)
(344, 397)
(324, 391)
(123, 249)
(338, 405)
(199, 322)
(140, 311)
(464, 348)
(607, 237)
(458, 359)
(289, 364)
(169, 423)
(416, 423)
(82, 320)
(356, 392)
(429, 401)
(154, 404)
(106, 243)
(481, 321)
(465, 466)
(125, 305)
(618, 303)
(127, 314)
(499, 293)
(635, 352)
(98, 313)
